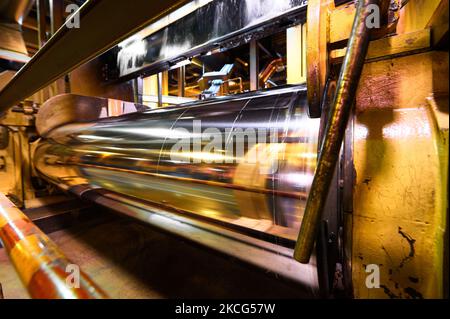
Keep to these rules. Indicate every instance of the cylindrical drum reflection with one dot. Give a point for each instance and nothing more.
(247, 160)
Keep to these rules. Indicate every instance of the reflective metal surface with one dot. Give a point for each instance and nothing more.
(247, 160)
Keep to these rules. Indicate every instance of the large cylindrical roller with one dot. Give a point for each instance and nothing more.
(247, 160)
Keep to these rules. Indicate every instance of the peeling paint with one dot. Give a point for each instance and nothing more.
(413, 293)
(411, 241)
(388, 292)
(413, 279)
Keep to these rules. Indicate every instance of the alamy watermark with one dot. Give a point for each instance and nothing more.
(373, 277)
(233, 145)
(373, 20)
(73, 20)
(73, 277)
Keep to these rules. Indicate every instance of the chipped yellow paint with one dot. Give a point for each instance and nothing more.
(400, 190)
(416, 14)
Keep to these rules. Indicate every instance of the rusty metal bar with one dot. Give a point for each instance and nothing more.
(40, 264)
(335, 129)
(103, 24)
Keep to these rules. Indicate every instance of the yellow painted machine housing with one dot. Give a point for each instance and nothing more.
(400, 189)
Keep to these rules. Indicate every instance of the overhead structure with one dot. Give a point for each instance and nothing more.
(71, 47)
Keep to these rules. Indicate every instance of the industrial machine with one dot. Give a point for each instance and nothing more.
(305, 138)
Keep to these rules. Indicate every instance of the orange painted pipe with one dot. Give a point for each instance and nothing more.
(42, 267)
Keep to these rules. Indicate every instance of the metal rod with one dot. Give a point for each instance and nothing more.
(40, 264)
(160, 89)
(335, 129)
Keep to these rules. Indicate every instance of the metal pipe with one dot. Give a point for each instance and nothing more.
(40, 264)
(335, 128)
(269, 70)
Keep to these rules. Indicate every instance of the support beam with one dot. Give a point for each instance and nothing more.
(42, 22)
(56, 21)
(181, 80)
(56, 15)
(254, 65)
(296, 54)
(160, 88)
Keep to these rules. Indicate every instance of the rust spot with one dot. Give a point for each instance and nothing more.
(411, 241)
(413, 279)
(388, 292)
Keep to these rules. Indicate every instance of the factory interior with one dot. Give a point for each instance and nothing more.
(279, 149)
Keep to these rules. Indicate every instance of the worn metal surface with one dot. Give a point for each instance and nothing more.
(401, 164)
(71, 47)
(40, 264)
(398, 45)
